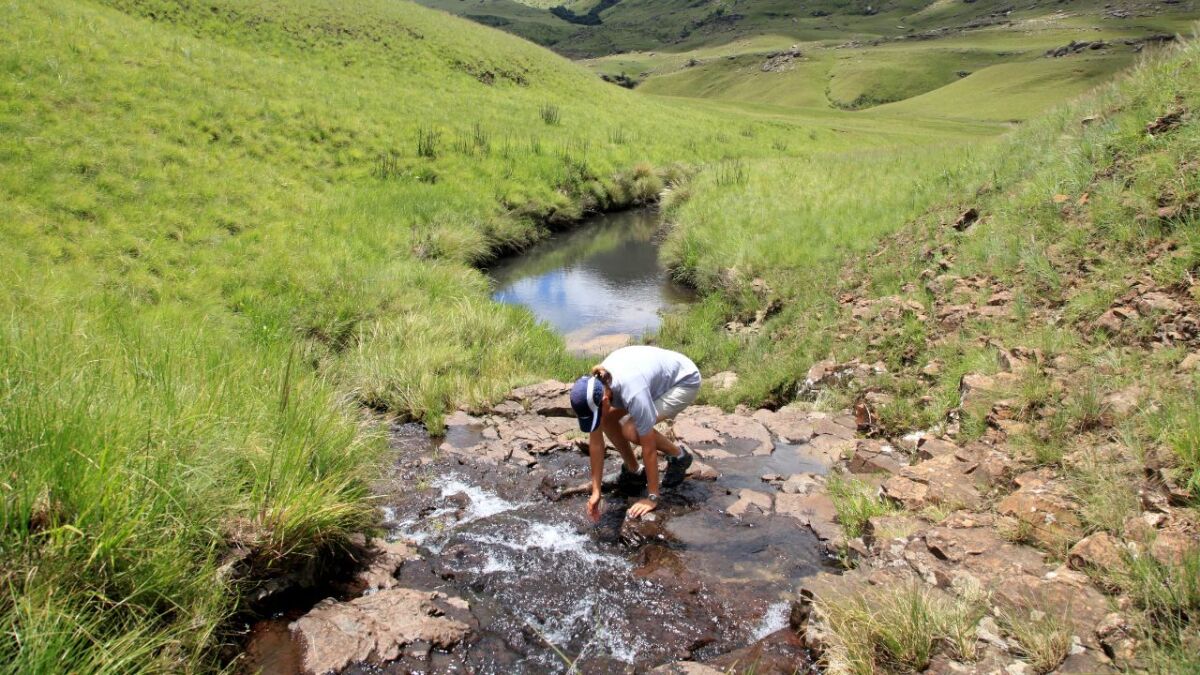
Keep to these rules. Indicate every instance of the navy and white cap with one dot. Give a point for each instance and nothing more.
(586, 395)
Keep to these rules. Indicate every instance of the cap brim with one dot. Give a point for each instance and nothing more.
(588, 423)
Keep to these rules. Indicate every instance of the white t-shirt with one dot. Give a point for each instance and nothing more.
(641, 374)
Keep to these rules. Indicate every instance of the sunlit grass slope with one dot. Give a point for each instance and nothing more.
(794, 224)
(228, 225)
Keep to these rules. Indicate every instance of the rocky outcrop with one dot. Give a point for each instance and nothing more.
(374, 628)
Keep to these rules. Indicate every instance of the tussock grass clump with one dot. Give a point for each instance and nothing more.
(551, 114)
(856, 503)
(898, 629)
(428, 140)
(1043, 639)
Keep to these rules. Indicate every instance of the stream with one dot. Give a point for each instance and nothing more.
(600, 285)
(703, 578)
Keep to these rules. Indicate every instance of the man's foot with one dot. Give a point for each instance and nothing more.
(631, 482)
(677, 468)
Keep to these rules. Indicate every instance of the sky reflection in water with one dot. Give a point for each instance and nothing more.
(600, 285)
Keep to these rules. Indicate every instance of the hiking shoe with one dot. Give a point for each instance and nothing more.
(631, 482)
(677, 468)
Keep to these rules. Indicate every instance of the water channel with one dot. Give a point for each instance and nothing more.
(601, 284)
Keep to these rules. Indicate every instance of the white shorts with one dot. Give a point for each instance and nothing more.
(675, 400)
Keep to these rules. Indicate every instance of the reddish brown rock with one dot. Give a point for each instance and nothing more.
(814, 510)
(701, 471)
(829, 450)
(549, 399)
(1099, 551)
(1045, 507)
(942, 480)
(1158, 302)
(789, 424)
(750, 502)
(1116, 636)
(1190, 363)
(875, 457)
(1172, 544)
(383, 559)
(975, 387)
(372, 628)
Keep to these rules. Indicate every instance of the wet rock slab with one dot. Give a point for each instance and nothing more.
(497, 511)
(374, 628)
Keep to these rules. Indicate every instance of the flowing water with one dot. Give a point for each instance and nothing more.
(601, 284)
(551, 591)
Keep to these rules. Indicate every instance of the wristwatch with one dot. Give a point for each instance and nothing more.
(652, 497)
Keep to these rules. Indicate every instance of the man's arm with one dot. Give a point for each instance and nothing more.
(596, 455)
(650, 461)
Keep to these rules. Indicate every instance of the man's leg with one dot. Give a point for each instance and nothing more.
(611, 423)
(661, 442)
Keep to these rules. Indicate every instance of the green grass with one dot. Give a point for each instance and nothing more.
(856, 503)
(231, 226)
(898, 629)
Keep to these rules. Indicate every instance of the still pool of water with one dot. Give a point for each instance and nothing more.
(601, 285)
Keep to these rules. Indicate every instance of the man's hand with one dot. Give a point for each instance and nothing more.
(593, 507)
(641, 508)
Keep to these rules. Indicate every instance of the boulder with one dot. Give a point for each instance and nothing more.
(723, 380)
(1099, 551)
(373, 628)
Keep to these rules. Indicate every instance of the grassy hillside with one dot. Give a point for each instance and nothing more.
(233, 227)
(230, 226)
(1000, 73)
(529, 20)
(685, 25)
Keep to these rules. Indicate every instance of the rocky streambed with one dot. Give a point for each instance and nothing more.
(491, 566)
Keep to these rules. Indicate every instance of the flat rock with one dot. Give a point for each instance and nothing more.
(814, 511)
(875, 457)
(701, 471)
(372, 628)
(801, 483)
(1047, 510)
(789, 424)
(385, 558)
(686, 668)
(549, 399)
(829, 450)
(708, 425)
(750, 501)
(944, 480)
